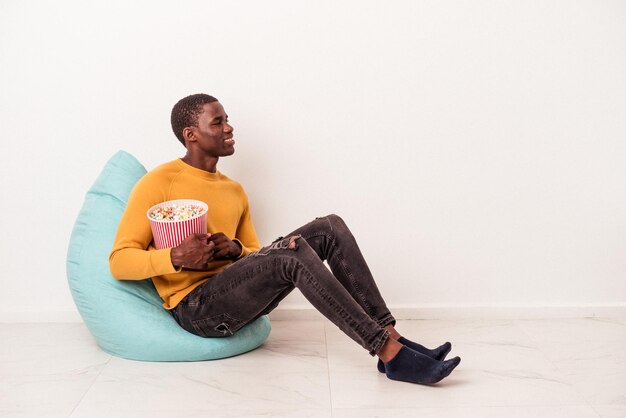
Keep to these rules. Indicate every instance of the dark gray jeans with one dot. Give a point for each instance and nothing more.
(254, 285)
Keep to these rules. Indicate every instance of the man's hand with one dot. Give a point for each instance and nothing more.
(195, 252)
(225, 249)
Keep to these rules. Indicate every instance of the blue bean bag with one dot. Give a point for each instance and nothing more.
(127, 318)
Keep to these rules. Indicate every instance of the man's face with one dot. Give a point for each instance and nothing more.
(213, 134)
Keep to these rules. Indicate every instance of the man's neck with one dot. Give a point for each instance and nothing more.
(206, 163)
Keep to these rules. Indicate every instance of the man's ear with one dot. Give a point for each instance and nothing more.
(188, 135)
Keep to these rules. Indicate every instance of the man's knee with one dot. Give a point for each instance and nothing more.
(336, 219)
(333, 222)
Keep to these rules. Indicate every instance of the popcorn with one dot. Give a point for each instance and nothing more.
(176, 212)
(173, 221)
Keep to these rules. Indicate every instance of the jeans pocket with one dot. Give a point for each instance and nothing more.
(222, 325)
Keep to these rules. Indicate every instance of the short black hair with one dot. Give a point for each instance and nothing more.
(185, 113)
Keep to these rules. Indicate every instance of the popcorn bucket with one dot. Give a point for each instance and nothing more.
(175, 220)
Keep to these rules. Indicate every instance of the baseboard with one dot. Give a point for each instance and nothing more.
(475, 312)
(617, 310)
(39, 316)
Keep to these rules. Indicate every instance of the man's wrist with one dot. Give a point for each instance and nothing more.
(238, 251)
(174, 258)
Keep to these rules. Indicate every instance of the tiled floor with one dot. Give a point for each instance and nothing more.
(510, 368)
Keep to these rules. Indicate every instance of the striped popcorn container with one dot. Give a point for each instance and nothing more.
(175, 220)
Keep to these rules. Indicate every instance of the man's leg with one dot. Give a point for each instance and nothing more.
(254, 285)
(332, 240)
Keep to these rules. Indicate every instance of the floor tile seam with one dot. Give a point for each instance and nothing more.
(608, 405)
(93, 382)
(567, 381)
(330, 392)
(604, 320)
(443, 407)
(241, 411)
(536, 343)
(485, 405)
(596, 411)
(543, 405)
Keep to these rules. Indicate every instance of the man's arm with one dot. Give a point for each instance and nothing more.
(243, 244)
(218, 246)
(129, 259)
(246, 235)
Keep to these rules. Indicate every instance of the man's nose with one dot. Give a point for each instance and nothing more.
(228, 127)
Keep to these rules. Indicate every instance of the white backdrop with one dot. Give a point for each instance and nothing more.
(476, 149)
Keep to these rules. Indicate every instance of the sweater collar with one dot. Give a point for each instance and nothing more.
(198, 172)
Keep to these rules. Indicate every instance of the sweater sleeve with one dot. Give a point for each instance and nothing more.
(130, 258)
(246, 234)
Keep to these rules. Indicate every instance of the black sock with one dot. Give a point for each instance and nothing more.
(414, 367)
(438, 353)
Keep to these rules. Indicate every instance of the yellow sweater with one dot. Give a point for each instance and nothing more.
(134, 256)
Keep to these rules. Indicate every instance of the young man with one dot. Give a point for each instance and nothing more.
(215, 283)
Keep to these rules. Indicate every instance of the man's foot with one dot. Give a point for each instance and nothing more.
(438, 353)
(411, 366)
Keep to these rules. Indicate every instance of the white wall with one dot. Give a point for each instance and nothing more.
(477, 149)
